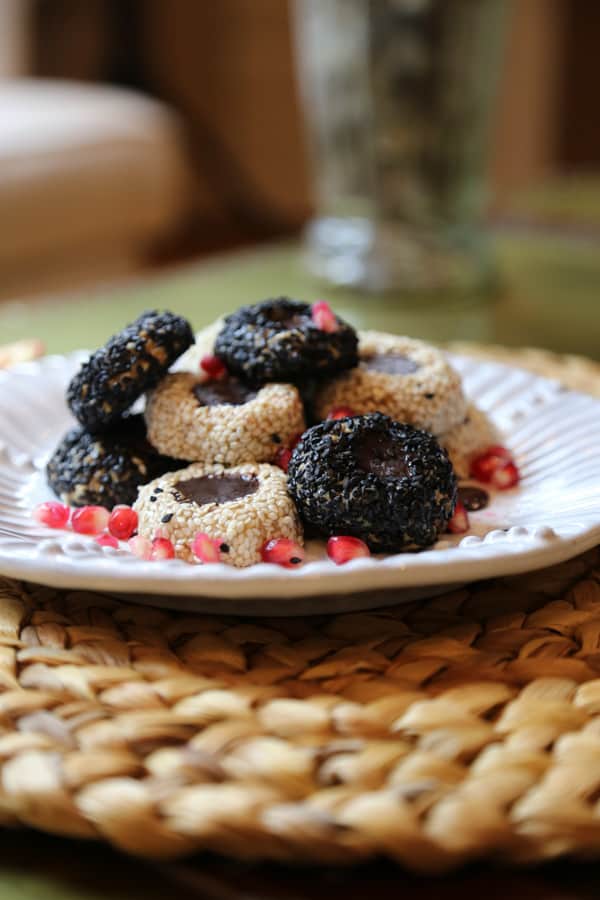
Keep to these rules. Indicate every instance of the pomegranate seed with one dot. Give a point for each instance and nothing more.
(52, 514)
(484, 465)
(107, 540)
(499, 450)
(162, 548)
(90, 520)
(324, 317)
(282, 458)
(505, 476)
(340, 412)
(284, 552)
(123, 522)
(206, 549)
(342, 548)
(495, 467)
(459, 523)
(140, 546)
(213, 366)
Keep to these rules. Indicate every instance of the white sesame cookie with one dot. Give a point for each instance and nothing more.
(241, 525)
(465, 441)
(179, 425)
(428, 395)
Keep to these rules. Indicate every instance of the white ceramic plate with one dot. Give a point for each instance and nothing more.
(554, 514)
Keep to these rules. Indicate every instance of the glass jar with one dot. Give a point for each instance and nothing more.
(397, 97)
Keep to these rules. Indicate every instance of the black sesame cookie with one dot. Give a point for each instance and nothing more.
(132, 362)
(409, 380)
(106, 469)
(277, 340)
(241, 507)
(222, 421)
(368, 476)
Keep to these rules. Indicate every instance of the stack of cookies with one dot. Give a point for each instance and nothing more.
(222, 448)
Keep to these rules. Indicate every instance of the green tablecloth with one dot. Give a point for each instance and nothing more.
(549, 297)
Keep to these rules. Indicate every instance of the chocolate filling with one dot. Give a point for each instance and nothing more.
(230, 392)
(380, 456)
(215, 488)
(390, 364)
(287, 318)
(473, 498)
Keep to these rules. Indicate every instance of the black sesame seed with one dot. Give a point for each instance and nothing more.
(153, 499)
(275, 438)
(157, 490)
(295, 560)
(224, 548)
(167, 518)
(429, 396)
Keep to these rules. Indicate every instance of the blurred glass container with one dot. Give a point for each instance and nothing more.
(397, 97)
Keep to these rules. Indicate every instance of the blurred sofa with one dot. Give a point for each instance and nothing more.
(92, 177)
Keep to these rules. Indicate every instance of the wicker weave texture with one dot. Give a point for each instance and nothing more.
(463, 727)
(434, 733)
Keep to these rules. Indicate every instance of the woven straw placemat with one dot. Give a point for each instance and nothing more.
(464, 726)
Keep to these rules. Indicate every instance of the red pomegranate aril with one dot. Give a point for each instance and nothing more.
(340, 412)
(459, 523)
(486, 463)
(140, 546)
(482, 467)
(213, 366)
(107, 540)
(282, 458)
(90, 520)
(500, 451)
(52, 514)
(162, 548)
(123, 522)
(343, 547)
(505, 476)
(283, 552)
(323, 316)
(206, 549)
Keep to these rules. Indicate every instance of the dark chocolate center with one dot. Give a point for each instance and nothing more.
(378, 455)
(230, 392)
(473, 498)
(216, 488)
(287, 317)
(390, 363)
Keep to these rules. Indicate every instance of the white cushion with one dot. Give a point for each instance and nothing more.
(85, 165)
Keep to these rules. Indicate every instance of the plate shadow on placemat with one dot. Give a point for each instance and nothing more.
(36, 866)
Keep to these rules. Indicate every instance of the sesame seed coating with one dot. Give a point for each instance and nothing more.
(277, 340)
(130, 363)
(463, 442)
(387, 483)
(242, 525)
(430, 397)
(105, 469)
(227, 434)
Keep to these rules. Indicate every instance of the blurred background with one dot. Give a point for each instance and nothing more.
(136, 135)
